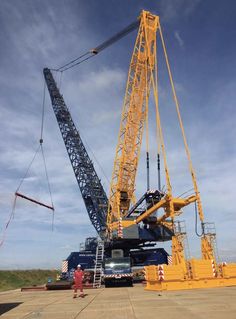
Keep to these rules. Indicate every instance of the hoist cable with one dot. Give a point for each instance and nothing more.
(91, 53)
(73, 65)
(95, 158)
(42, 151)
(48, 183)
(46, 173)
(200, 210)
(196, 213)
(157, 131)
(40, 147)
(60, 81)
(43, 111)
(27, 171)
(160, 133)
(158, 121)
(191, 189)
(146, 125)
(73, 61)
(40, 141)
(8, 222)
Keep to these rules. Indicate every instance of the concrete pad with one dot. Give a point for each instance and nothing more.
(122, 303)
(165, 314)
(123, 313)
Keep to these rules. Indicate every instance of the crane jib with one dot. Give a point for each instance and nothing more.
(92, 191)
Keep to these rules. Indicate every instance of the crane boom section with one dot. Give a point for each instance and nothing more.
(133, 118)
(92, 191)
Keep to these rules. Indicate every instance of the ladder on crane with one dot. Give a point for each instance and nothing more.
(97, 279)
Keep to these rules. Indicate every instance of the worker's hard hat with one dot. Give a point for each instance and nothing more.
(79, 266)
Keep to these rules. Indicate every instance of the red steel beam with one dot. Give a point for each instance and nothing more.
(34, 201)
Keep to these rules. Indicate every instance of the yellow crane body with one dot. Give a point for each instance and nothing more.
(183, 273)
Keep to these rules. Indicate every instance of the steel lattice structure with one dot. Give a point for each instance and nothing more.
(142, 65)
(92, 191)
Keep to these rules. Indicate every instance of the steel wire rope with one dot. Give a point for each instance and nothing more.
(157, 131)
(8, 222)
(60, 81)
(95, 158)
(11, 216)
(27, 171)
(98, 48)
(88, 146)
(40, 141)
(22, 180)
(48, 183)
(146, 124)
(86, 143)
(73, 61)
(191, 169)
(189, 190)
(73, 65)
(196, 227)
(42, 152)
(40, 147)
(216, 251)
(160, 134)
(43, 111)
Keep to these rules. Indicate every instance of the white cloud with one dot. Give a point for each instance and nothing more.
(179, 39)
(105, 79)
(172, 9)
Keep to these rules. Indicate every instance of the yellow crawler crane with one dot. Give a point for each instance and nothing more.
(142, 78)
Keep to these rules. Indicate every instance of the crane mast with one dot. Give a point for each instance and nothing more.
(133, 118)
(92, 191)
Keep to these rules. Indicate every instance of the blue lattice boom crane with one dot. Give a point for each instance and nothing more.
(92, 191)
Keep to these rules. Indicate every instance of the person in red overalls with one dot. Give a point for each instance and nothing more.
(78, 281)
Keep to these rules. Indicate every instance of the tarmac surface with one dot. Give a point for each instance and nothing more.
(120, 303)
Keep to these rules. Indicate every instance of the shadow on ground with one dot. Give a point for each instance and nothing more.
(4, 307)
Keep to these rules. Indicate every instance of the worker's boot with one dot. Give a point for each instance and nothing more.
(75, 296)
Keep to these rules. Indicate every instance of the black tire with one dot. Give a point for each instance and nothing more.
(130, 282)
(107, 283)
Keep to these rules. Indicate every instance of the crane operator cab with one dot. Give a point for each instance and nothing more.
(117, 270)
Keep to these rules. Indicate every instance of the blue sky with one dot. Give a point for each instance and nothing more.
(200, 39)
